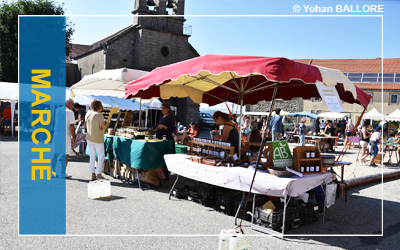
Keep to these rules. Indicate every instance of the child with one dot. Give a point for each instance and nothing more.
(302, 131)
(373, 144)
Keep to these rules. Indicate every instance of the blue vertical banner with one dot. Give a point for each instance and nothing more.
(42, 137)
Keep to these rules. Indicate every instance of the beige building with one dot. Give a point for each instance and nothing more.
(367, 75)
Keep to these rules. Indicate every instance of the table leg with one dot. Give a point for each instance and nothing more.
(284, 215)
(170, 192)
(323, 215)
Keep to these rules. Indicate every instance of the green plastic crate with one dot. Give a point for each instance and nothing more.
(180, 149)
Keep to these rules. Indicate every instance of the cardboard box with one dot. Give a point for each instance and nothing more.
(378, 159)
(157, 173)
(149, 179)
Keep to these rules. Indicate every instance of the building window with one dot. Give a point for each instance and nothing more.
(165, 52)
(394, 99)
(93, 69)
(371, 94)
(316, 99)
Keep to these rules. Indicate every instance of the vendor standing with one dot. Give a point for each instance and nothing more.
(166, 123)
(330, 131)
(229, 133)
(165, 127)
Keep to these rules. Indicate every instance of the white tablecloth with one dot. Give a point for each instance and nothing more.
(239, 178)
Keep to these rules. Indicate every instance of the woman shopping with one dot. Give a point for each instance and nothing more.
(349, 129)
(95, 138)
(364, 140)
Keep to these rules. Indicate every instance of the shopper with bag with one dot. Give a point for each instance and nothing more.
(95, 138)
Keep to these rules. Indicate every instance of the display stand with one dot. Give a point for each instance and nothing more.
(108, 114)
(123, 120)
(231, 148)
(299, 159)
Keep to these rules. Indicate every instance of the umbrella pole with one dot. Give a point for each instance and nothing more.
(147, 113)
(230, 112)
(262, 143)
(140, 112)
(241, 112)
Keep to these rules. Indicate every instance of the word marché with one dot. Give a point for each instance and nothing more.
(345, 8)
(44, 118)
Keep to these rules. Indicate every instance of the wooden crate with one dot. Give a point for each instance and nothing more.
(299, 158)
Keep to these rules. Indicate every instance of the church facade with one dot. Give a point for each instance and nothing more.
(147, 43)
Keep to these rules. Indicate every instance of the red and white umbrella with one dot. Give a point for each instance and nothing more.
(213, 79)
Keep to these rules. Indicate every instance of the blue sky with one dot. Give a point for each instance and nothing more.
(294, 37)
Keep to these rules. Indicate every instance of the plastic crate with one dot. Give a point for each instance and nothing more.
(223, 202)
(206, 194)
(179, 193)
(237, 198)
(274, 219)
(190, 193)
(313, 209)
(295, 212)
(180, 149)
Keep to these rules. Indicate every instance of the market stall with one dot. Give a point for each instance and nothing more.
(213, 79)
(10, 92)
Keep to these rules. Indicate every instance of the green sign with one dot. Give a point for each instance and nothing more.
(281, 155)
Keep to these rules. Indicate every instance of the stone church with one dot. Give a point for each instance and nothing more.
(147, 43)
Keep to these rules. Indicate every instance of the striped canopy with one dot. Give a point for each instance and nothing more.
(213, 79)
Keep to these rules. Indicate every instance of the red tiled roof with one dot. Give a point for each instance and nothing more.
(378, 86)
(77, 49)
(96, 44)
(390, 65)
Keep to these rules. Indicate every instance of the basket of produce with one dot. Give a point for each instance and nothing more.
(279, 171)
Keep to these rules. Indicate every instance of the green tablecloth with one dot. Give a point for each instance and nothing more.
(140, 154)
(107, 146)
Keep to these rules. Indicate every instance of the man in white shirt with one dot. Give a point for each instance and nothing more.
(322, 125)
(69, 139)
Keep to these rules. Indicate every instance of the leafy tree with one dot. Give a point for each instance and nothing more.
(9, 12)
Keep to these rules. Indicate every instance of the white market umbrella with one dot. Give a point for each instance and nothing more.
(110, 82)
(86, 100)
(333, 115)
(155, 104)
(394, 116)
(374, 115)
(125, 104)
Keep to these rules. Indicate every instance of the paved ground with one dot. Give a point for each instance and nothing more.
(148, 220)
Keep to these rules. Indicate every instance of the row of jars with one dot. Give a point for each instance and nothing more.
(205, 150)
(212, 141)
(309, 169)
(127, 132)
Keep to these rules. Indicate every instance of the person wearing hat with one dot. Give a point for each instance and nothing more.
(373, 145)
